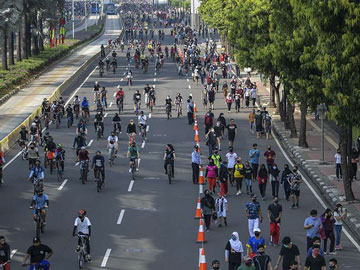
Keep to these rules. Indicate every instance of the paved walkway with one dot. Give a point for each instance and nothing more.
(91, 20)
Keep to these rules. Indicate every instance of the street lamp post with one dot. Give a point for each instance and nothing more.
(85, 16)
(73, 19)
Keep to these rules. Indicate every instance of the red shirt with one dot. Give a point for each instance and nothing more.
(270, 156)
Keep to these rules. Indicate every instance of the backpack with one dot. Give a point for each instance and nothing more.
(208, 120)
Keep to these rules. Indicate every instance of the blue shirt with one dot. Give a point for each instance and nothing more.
(85, 103)
(255, 158)
(40, 201)
(195, 157)
(313, 231)
(253, 209)
(254, 243)
(37, 172)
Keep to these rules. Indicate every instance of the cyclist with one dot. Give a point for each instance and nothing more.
(61, 103)
(142, 122)
(129, 76)
(99, 120)
(133, 155)
(168, 104)
(32, 155)
(107, 61)
(83, 227)
(102, 51)
(96, 90)
(119, 95)
(85, 107)
(152, 95)
(76, 105)
(4, 253)
(128, 56)
(37, 171)
(117, 123)
(46, 138)
(37, 121)
(40, 201)
(178, 102)
(103, 97)
(34, 133)
(137, 101)
(60, 156)
(70, 113)
(23, 135)
(131, 129)
(81, 128)
(2, 163)
(83, 156)
(49, 151)
(39, 255)
(113, 142)
(98, 164)
(146, 94)
(114, 64)
(169, 157)
(114, 54)
(79, 142)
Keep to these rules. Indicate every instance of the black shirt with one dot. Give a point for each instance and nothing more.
(4, 253)
(261, 262)
(231, 129)
(274, 211)
(234, 257)
(315, 263)
(37, 253)
(289, 255)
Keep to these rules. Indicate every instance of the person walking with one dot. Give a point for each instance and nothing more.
(315, 261)
(339, 214)
(239, 175)
(254, 242)
(222, 208)
(211, 140)
(208, 207)
(312, 225)
(261, 260)
(223, 178)
(267, 124)
(254, 155)
(286, 174)
(328, 231)
(219, 133)
(232, 132)
(274, 216)
(253, 93)
(248, 176)
(211, 174)
(222, 120)
(208, 121)
(316, 241)
(231, 160)
(4, 253)
(288, 254)
(190, 112)
(248, 264)
(295, 181)
(204, 97)
(274, 173)
(195, 164)
(211, 97)
(217, 159)
(338, 165)
(234, 251)
(229, 101)
(262, 179)
(269, 157)
(254, 214)
(258, 124)
(252, 120)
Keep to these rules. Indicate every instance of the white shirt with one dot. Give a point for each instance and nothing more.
(338, 158)
(142, 119)
(82, 226)
(253, 93)
(338, 222)
(113, 138)
(231, 158)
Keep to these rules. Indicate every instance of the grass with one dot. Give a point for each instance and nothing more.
(356, 133)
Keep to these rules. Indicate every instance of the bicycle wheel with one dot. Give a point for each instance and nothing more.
(98, 185)
(81, 259)
(98, 134)
(133, 172)
(83, 176)
(51, 166)
(59, 175)
(169, 172)
(38, 229)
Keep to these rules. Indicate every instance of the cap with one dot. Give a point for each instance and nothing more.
(36, 240)
(257, 230)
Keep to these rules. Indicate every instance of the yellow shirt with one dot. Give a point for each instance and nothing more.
(238, 168)
(251, 117)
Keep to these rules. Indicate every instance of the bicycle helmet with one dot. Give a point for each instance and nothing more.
(23, 127)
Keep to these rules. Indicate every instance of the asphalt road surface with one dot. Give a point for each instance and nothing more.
(145, 224)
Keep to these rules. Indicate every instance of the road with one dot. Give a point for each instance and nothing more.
(91, 20)
(156, 229)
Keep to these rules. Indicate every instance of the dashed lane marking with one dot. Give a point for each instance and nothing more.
(63, 184)
(131, 185)
(143, 144)
(121, 216)
(149, 115)
(110, 104)
(154, 79)
(90, 143)
(106, 257)
(13, 253)
(189, 86)
(147, 128)
(187, 80)
(114, 94)
(106, 114)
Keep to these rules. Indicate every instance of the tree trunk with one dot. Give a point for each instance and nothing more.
(18, 46)
(272, 90)
(4, 48)
(291, 120)
(28, 37)
(279, 109)
(41, 40)
(302, 136)
(24, 39)
(11, 48)
(345, 160)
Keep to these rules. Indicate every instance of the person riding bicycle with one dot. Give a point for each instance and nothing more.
(34, 132)
(128, 55)
(142, 121)
(40, 201)
(129, 76)
(85, 107)
(117, 123)
(102, 51)
(146, 94)
(37, 171)
(98, 164)
(114, 63)
(32, 154)
(5, 253)
(169, 157)
(152, 95)
(168, 104)
(81, 127)
(23, 135)
(113, 142)
(119, 95)
(61, 103)
(114, 54)
(137, 101)
(46, 138)
(178, 102)
(49, 150)
(83, 156)
(107, 62)
(133, 155)
(60, 156)
(39, 255)
(83, 227)
(70, 112)
(79, 142)
(99, 120)
(76, 104)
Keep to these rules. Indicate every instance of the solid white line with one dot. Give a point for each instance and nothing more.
(151, 178)
(121, 216)
(77, 163)
(90, 143)
(11, 160)
(110, 104)
(106, 257)
(155, 152)
(131, 185)
(315, 194)
(106, 114)
(63, 184)
(149, 115)
(13, 253)
(143, 144)
(147, 128)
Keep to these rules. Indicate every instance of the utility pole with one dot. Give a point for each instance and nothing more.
(73, 19)
(85, 16)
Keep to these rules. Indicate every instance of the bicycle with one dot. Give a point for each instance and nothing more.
(38, 183)
(101, 71)
(82, 253)
(59, 172)
(179, 110)
(84, 164)
(98, 131)
(23, 149)
(57, 119)
(69, 121)
(46, 120)
(49, 160)
(168, 111)
(143, 132)
(112, 151)
(114, 68)
(76, 110)
(151, 104)
(39, 222)
(133, 169)
(85, 114)
(169, 169)
(121, 105)
(98, 180)
(136, 108)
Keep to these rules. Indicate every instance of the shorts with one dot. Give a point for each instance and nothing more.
(133, 159)
(295, 192)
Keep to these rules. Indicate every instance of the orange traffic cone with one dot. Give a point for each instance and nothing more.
(198, 145)
(196, 127)
(201, 233)
(202, 260)
(197, 139)
(198, 209)
(195, 109)
(201, 176)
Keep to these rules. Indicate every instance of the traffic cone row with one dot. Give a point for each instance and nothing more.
(196, 127)
(201, 176)
(201, 233)
(202, 260)
(197, 139)
(198, 209)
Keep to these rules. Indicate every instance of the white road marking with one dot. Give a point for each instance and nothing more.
(315, 194)
(106, 114)
(11, 160)
(106, 258)
(90, 143)
(121, 216)
(149, 115)
(189, 86)
(77, 163)
(114, 94)
(155, 152)
(154, 86)
(151, 178)
(147, 128)
(131, 185)
(187, 79)
(154, 79)
(13, 253)
(143, 144)
(122, 79)
(63, 184)
(155, 73)
(139, 162)
(110, 104)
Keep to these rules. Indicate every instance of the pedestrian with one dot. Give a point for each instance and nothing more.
(254, 214)
(225, 88)
(254, 155)
(211, 97)
(354, 155)
(211, 174)
(234, 251)
(258, 124)
(288, 254)
(316, 241)
(215, 265)
(261, 260)
(237, 102)
(333, 264)
(269, 157)
(229, 101)
(248, 264)
(274, 173)
(247, 96)
(204, 97)
(232, 132)
(254, 242)
(222, 207)
(217, 158)
(223, 178)
(252, 120)
(219, 133)
(338, 165)
(222, 120)
(231, 160)
(312, 225)
(315, 261)
(211, 140)
(267, 124)
(190, 112)
(295, 181)
(208, 207)
(248, 177)
(286, 174)
(208, 121)
(253, 92)
(239, 175)
(339, 214)
(195, 164)
(262, 179)
(274, 216)
(328, 230)
(4, 253)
